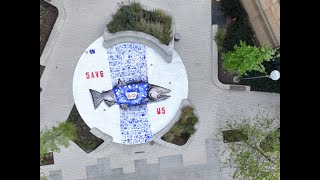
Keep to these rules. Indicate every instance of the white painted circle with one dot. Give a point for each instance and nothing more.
(107, 119)
(275, 75)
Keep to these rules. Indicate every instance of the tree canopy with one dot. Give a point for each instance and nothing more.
(246, 58)
(258, 155)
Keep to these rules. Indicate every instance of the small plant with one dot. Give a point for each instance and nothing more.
(134, 18)
(246, 58)
(220, 36)
(184, 128)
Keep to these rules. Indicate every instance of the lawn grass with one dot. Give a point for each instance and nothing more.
(183, 129)
(134, 18)
(84, 138)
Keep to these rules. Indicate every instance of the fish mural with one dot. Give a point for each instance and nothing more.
(132, 94)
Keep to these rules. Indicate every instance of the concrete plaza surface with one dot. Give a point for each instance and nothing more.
(80, 22)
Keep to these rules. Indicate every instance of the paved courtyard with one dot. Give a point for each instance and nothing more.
(80, 22)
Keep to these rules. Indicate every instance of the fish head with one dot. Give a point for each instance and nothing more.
(158, 93)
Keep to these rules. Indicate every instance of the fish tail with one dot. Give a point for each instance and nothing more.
(96, 98)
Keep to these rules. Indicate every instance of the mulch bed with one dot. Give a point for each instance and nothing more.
(41, 70)
(47, 160)
(49, 17)
(84, 139)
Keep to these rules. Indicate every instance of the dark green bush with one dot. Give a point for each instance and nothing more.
(233, 8)
(236, 32)
(134, 18)
(125, 18)
(220, 36)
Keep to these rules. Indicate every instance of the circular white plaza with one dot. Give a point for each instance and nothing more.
(99, 69)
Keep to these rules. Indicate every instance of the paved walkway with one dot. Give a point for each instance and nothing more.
(80, 23)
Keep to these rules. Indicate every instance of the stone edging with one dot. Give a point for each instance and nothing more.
(165, 51)
(214, 67)
(112, 39)
(157, 136)
(105, 137)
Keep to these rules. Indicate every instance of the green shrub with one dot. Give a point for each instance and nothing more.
(233, 8)
(125, 18)
(51, 139)
(184, 128)
(220, 36)
(246, 58)
(134, 18)
(236, 32)
(239, 30)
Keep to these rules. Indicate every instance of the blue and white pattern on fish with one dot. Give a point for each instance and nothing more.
(141, 90)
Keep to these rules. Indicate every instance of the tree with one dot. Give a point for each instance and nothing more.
(246, 58)
(258, 155)
(51, 139)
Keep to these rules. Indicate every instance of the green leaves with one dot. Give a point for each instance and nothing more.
(257, 157)
(246, 58)
(220, 36)
(184, 127)
(133, 17)
(50, 140)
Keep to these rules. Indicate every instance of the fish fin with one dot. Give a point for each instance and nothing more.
(120, 83)
(124, 106)
(96, 98)
(109, 103)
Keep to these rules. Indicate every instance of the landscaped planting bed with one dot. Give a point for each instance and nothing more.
(84, 138)
(183, 129)
(236, 29)
(134, 18)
